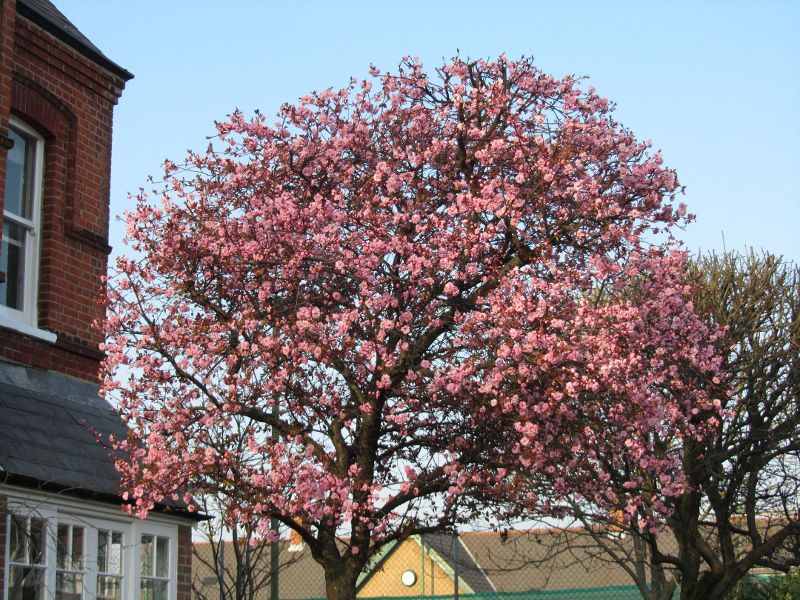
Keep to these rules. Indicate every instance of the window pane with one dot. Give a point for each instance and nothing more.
(77, 548)
(36, 542)
(154, 590)
(18, 167)
(62, 546)
(102, 544)
(109, 552)
(109, 565)
(17, 539)
(115, 554)
(25, 583)
(12, 263)
(69, 586)
(162, 557)
(147, 554)
(109, 588)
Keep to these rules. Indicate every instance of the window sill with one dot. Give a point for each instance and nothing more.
(27, 329)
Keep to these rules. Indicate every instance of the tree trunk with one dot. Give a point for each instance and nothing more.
(711, 586)
(691, 586)
(339, 583)
(701, 590)
(684, 524)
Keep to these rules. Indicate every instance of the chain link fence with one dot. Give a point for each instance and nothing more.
(535, 564)
(563, 564)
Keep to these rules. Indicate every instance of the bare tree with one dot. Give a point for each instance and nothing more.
(741, 505)
(232, 563)
(744, 509)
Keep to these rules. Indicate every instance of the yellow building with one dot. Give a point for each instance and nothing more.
(426, 565)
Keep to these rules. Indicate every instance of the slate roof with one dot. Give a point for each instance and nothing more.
(49, 18)
(48, 427)
(46, 423)
(548, 559)
(459, 558)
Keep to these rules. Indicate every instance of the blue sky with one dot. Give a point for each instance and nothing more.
(715, 85)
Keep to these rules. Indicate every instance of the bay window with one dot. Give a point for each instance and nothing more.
(53, 554)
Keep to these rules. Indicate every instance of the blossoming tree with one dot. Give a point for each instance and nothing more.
(404, 306)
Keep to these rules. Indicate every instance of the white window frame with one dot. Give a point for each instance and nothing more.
(49, 558)
(84, 558)
(125, 557)
(92, 521)
(172, 559)
(25, 320)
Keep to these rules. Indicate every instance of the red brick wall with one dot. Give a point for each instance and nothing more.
(7, 20)
(7, 24)
(184, 562)
(70, 101)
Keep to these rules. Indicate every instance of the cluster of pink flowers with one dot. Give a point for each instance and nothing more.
(429, 292)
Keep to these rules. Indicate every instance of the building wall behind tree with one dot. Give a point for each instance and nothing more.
(430, 579)
(54, 83)
(68, 99)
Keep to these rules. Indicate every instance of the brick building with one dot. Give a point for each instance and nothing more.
(62, 533)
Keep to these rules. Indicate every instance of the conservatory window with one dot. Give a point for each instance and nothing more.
(154, 583)
(55, 555)
(27, 565)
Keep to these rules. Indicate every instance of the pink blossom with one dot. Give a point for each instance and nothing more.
(417, 281)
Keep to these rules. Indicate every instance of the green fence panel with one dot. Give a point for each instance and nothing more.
(625, 592)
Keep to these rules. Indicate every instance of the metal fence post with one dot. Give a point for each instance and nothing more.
(221, 564)
(456, 542)
(274, 548)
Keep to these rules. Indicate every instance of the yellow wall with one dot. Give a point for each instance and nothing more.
(385, 581)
